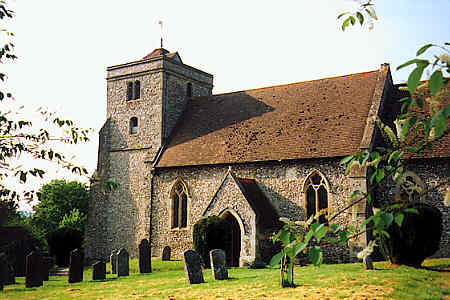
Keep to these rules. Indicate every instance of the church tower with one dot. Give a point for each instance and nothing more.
(145, 99)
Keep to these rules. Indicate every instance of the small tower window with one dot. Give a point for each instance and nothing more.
(133, 90)
(133, 125)
(189, 90)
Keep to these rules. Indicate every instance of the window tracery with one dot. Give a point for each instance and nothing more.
(179, 207)
(316, 195)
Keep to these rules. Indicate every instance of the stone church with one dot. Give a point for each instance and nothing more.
(181, 153)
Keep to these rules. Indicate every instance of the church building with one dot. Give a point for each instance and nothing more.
(181, 153)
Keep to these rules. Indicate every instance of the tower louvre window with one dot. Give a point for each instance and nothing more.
(133, 90)
(129, 91)
(133, 125)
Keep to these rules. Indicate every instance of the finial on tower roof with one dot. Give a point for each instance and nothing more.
(160, 22)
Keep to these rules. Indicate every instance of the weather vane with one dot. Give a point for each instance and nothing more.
(160, 22)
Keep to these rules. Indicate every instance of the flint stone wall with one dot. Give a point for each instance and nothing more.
(281, 182)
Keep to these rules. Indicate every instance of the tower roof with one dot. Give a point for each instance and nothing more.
(158, 52)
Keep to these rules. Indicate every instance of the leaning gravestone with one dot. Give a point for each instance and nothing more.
(76, 266)
(166, 253)
(367, 262)
(113, 261)
(145, 263)
(123, 267)
(218, 259)
(99, 271)
(33, 270)
(193, 267)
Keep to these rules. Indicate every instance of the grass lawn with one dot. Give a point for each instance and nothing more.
(168, 281)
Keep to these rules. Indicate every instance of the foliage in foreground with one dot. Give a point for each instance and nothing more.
(332, 281)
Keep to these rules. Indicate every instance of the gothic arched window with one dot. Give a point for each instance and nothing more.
(316, 195)
(409, 187)
(179, 207)
(134, 125)
(189, 90)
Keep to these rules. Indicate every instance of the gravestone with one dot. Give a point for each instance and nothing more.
(99, 271)
(123, 267)
(218, 260)
(76, 266)
(4, 270)
(367, 262)
(11, 278)
(145, 263)
(48, 263)
(113, 261)
(33, 270)
(166, 253)
(193, 267)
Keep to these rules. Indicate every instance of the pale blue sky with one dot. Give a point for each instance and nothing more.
(64, 47)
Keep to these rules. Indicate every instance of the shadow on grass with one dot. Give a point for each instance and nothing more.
(438, 268)
(104, 280)
(23, 289)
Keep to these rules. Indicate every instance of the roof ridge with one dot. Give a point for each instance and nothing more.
(290, 84)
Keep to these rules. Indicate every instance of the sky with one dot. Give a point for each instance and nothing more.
(64, 47)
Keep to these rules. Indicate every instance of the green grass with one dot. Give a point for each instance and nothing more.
(328, 281)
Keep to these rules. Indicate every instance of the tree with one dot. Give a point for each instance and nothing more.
(414, 132)
(20, 139)
(61, 204)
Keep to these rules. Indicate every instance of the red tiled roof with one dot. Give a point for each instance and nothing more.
(320, 118)
(159, 52)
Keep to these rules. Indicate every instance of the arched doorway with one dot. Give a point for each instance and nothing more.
(234, 251)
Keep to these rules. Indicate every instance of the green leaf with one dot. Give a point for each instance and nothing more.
(423, 49)
(395, 156)
(360, 17)
(345, 23)
(346, 159)
(315, 254)
(387, 219)
(349, 166)
(343, 14)
(334, 227)
(414, 78)
(412, 61)
(276, 259)
(308, 236)
(380, 175)
(321, 232)
(298, 248)
(411, 210)
(435, 82)
(352, 20)
(285, 237)
(399, 219)
(355, 193)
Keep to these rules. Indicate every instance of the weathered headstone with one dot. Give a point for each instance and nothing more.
(113, 261)
(193, 267)
(76, 266)
(367, 262)
(218, 260)
(145, 263)
(99, 271)
(166, 253)
(123, 267)
(33, 270)
(48, 263)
